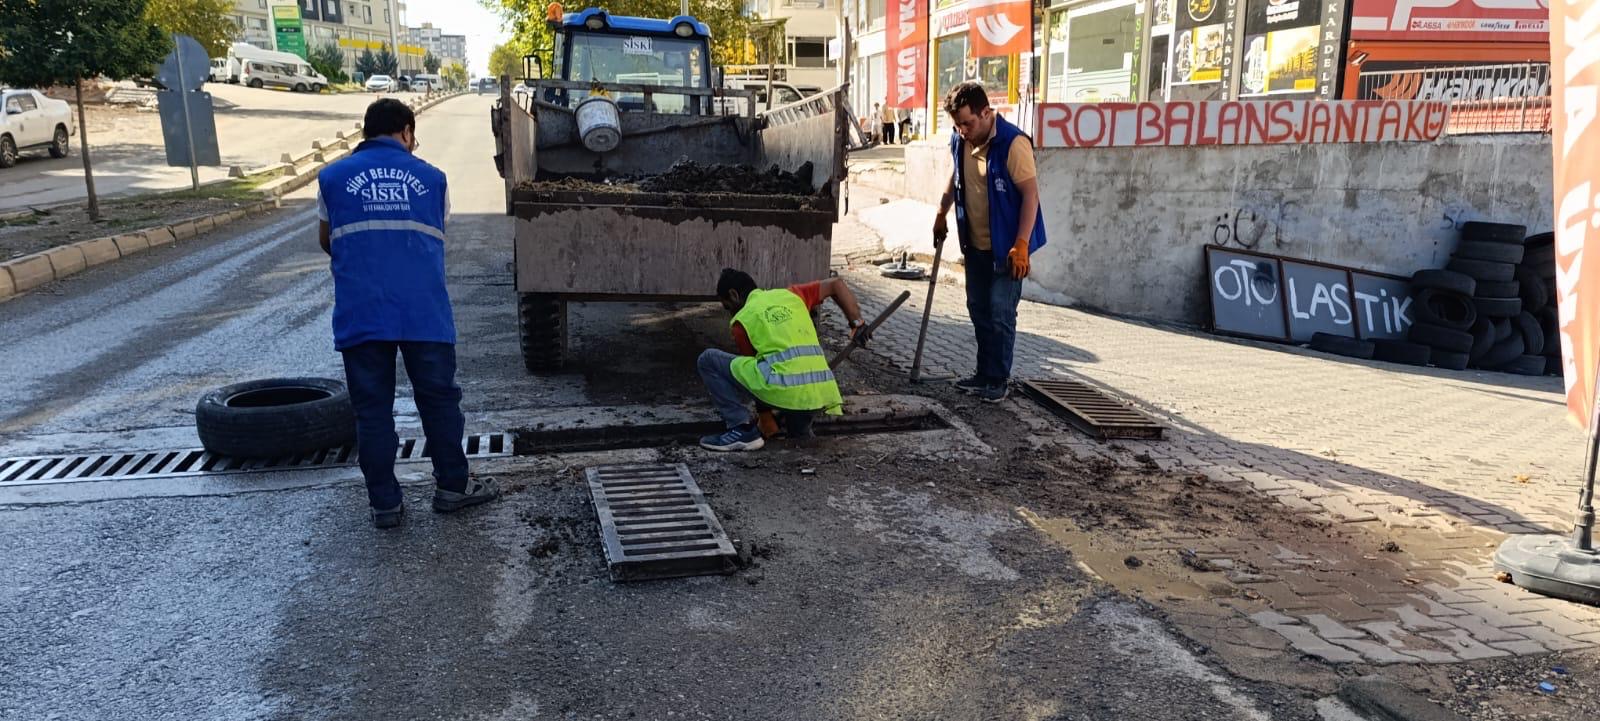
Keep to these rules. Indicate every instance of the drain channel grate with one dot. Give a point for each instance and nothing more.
(1091, 411)
(655, 523)
(35, 470)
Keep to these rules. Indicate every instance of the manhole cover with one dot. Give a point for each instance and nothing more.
(129, 465)
(1091, 411)
(655, 523)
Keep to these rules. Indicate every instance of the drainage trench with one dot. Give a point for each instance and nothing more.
(532, 441)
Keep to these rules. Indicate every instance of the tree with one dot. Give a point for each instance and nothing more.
(505, 59)
(367, 63)
(328, 59)
(65, 41)
(726, 18)
(207, 21)
(430, 63)
(386, 62)
(455, 76)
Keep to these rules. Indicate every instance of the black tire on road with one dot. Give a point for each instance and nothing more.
(1498, 307)
(1482, 339)
(1449, 309)
(1532, 334)
(1482, 269)
(1526, 365)
(8, 151)
(256, 83)
(60, 143)
(1444, 280)
(1498, 288)
(1399, 351)
(275, 418)
(1493, 232)
(542, 328)
(1502, 353)
(1449, 361)
(1534, 293)
(1441, 338)
(1492, 252)
(1342, 345)
(299, 87)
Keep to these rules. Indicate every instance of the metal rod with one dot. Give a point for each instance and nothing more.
(871, 328)
(1583, 529)
(927, 311)
(188, 120)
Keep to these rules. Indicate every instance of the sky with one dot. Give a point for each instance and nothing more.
(461, 17)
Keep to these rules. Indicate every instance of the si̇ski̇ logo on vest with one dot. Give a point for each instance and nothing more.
(385, 189)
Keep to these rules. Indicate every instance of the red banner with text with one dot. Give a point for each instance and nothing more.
(1575, 70)
(1239, 122)
(999, 27)
(907, 46)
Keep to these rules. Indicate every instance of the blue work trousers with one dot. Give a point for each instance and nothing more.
(369, 371)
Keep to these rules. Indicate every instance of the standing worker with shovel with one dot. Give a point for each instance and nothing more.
(995, 190)
(782, 367)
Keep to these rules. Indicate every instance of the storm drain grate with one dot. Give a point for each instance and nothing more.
(119, 466)
(655, 523)
(1091, 411)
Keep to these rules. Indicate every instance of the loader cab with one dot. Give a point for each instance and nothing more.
(594, 46)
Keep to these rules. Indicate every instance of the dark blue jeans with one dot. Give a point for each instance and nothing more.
(369, 372)
(992, 298)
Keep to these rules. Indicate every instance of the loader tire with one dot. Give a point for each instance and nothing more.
(542, 328)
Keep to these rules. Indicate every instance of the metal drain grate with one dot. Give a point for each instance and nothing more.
(655, 523)
(1091, 411)
(34, 470)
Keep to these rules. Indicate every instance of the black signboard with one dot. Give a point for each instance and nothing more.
(1257, 295)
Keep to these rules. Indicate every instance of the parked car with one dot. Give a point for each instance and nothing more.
(488, 85)
(225, 70)
(382, 84)
(421, 84)
(299, 78)
(31, 120)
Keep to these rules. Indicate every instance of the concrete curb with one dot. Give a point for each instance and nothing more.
(20, 275)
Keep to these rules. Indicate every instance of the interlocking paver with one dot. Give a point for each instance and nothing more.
(1431, 454)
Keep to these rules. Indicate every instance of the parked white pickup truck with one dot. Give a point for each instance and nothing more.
(31, 120)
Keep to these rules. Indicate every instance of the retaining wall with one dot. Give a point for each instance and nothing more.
(1127, 225)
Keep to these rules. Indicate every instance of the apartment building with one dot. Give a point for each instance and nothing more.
(353, 25)
(810, 29)
(448, 48)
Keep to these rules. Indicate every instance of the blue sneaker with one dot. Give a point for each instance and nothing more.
(995, 393)
(745, 437)
(975, 384)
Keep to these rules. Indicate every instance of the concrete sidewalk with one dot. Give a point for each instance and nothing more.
(1447, 462)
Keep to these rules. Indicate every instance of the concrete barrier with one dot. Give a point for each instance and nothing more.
(66, 260)
(30, 271)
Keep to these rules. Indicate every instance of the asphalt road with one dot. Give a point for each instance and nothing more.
(254, 128)
(901, 593)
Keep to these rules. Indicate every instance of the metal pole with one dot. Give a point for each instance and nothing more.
(188, 120)
(927, 311)
(1583, 529)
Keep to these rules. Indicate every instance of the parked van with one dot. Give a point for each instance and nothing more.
(423, 83)
(265, 68)
(225, 70)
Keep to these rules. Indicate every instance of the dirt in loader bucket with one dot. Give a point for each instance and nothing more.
(692, 178)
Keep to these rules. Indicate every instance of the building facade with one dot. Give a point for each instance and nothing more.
(450, 49)
(353, 25)
(809, 55)
(1132, 50)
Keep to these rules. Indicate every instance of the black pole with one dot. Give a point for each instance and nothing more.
(1583, 529)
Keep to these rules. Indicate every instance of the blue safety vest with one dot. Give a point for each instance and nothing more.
(385, 211)
(1005, 201)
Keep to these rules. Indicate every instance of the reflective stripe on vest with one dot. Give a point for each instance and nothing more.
(789, 380)
(790, 370)
(364, 225)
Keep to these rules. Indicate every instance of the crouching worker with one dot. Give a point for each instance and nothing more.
(782, 366)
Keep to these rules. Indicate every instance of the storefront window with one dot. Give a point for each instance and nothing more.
(1054, 90)
(950, 58)
(1100, 55)
(876, 10)
(995, 74)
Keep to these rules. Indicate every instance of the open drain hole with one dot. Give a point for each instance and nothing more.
(530, 441)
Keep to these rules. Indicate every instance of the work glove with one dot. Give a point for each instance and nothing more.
(860, 335)
(1018, 258)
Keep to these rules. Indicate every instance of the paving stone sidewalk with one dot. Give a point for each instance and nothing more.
(1451, 461)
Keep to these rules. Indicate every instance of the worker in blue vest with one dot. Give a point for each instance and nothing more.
(383, 212)
(995, 189)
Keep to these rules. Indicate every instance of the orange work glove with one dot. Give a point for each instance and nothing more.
(1019, 260)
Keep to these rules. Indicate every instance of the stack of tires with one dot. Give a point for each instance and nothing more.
(1472, 313)
(1536, 279)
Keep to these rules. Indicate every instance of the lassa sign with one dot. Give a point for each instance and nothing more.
(1518, 21)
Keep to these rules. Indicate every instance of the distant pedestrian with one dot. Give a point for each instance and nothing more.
(994, 188)
(890, 120)
(383, 212)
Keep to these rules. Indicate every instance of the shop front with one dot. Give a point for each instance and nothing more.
(1092, 51)
(1242, 49)
(1459, 51)
(953, 63)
